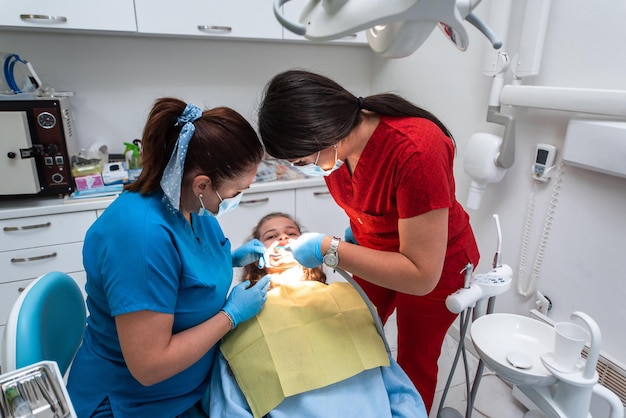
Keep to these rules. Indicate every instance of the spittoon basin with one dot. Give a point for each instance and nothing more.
(501, 337)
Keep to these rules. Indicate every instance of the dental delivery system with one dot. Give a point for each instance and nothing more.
(476, 298)
(479, 288)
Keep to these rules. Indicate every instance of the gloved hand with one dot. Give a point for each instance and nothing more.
(244, 303)
(307, 249)
(249, 252)
(349, 236)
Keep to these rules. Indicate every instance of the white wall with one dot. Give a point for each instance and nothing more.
(583, 265)
(116, 79)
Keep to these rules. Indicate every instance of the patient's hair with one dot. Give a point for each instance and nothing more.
(252, 271)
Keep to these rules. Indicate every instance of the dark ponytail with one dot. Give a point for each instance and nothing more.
(303, 112)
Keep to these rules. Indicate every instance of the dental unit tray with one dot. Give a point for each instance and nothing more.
(42, 385)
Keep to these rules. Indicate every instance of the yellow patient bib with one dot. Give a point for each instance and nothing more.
(308, 335)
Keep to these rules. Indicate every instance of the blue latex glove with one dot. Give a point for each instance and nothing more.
(307, 249)
(243, 303)
(349, 236)
(249, 252)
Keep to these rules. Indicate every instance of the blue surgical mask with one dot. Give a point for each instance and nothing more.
(225, 205)
(314, 170)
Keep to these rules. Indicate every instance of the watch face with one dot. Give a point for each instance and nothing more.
(331, 260)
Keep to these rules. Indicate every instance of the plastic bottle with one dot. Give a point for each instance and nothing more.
(20, 407)
(133, 160)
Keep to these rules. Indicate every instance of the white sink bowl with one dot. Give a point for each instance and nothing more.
(499, 336)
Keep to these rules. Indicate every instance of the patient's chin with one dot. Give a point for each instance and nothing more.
(283, 262)
(286, 275)
(281, 266)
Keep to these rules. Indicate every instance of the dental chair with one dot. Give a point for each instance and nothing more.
(46, 323)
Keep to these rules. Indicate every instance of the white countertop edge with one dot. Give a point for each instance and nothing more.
(37, 206)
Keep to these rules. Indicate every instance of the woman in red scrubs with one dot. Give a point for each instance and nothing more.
(389, 165)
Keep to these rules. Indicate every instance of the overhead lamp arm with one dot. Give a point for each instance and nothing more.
(409, 22)
(296, 28)
(485, 30)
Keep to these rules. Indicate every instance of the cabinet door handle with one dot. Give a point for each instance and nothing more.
(25, 227)
(36, 258)
(254, 201)
(43, 18)
(214, 28)
(321, 194)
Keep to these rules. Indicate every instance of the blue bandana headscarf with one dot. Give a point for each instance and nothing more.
(173, 173)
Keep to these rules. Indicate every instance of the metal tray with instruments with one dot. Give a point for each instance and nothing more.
(41, 384)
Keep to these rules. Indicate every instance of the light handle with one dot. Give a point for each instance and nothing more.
(296, 28)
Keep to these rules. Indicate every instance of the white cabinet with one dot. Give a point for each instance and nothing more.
(249, 19)
(110, 15)
(236, 19)
(34, 245)
(292, 11)
(318, 212)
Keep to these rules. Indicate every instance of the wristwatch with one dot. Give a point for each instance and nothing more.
(331, 258)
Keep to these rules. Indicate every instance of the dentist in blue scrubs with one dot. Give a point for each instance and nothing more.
(159, 268)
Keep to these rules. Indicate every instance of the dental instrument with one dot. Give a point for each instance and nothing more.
(393, 31)
(474, 301)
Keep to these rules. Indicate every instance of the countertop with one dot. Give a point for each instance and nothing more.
(37, 206)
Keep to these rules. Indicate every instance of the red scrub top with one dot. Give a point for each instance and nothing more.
(405, 170)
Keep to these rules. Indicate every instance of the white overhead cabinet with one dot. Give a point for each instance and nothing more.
(110, 15)
(244, 19)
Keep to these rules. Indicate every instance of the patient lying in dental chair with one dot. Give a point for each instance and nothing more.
(314, 350)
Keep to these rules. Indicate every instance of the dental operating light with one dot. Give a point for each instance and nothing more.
(394, 28)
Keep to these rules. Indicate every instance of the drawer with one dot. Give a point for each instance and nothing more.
(9, 292)
(35, 231)
(33, 262)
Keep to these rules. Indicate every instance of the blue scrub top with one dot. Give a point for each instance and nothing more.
(140, 255)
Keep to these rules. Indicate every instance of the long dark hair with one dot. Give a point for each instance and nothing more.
(224, 145)
(303, 112)
(252, 271)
